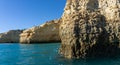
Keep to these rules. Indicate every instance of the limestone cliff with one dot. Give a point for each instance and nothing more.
(11, 36)
(48, 32)
(90, 28)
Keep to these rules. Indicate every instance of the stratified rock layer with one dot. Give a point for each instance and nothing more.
(11, 36)
(90, 28)
(48, 32)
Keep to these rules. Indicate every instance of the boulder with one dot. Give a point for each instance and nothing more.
(90, 28)
(48, 32)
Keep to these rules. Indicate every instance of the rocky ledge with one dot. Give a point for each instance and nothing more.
(90, 28)
(11, 36)
(48, 32)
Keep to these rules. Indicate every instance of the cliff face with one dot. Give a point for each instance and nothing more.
(48, 32)
(90, 28)
(11, 36)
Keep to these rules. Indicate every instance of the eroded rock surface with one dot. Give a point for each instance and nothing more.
(90, 28)
(48, 32)
(11, 36)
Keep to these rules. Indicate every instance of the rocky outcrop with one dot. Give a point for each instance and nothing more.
(90, 28)
(48, 32)
(11, 36)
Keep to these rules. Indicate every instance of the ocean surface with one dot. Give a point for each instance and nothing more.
(44, 54)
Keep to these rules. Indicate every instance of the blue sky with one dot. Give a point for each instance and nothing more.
(21, 14)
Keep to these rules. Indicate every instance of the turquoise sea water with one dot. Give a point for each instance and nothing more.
(43, 54)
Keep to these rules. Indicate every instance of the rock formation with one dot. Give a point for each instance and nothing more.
(48, 32)
(90, 28)
(11, 36)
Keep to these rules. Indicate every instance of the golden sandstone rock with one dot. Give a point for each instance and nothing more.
(11, 36)
(90, 28)
(48, 32)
